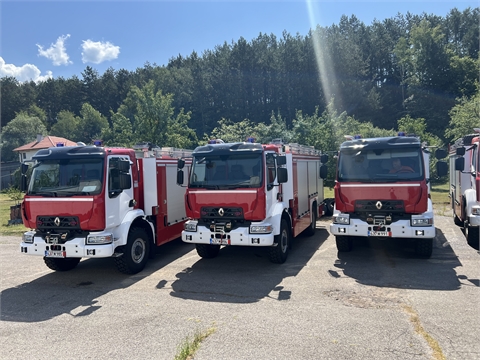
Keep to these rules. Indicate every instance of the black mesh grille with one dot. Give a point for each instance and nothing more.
(375, 206)
(57, 223)
(227, 213)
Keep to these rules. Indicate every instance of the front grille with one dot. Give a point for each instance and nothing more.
(57, 223)
(380, 212)
(379, 206)
(224, 213)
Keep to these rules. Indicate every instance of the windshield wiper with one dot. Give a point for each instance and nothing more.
(49, 194)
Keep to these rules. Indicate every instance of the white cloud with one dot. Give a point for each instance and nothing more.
(56, 52)
(97, 52)
(27, 72)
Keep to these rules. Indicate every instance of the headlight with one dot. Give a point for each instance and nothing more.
(27, 238)
(422, 221)
(261, 229)
(475, 210)
(191, 226)
(343, 219)
(99, 239)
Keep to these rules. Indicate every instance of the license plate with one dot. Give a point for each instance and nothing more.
(380, 233)
(219, 241)
(55, 254)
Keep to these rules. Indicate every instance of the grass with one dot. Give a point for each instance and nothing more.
(419, 329)
(5, 229)
(189, 347)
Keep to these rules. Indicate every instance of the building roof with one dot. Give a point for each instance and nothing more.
(45, 143)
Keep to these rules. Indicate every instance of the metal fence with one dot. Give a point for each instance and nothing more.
(7, 170)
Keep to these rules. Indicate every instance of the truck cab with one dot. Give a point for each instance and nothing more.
(382, 190)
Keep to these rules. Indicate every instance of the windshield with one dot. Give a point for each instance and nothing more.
(227, 171)
(67, 177)
(380, 165)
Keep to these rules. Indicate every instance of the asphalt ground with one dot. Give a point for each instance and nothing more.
(379, 301)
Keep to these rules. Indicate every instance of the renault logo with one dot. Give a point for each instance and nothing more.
(378, 205)
(221, 212)
(57, 221)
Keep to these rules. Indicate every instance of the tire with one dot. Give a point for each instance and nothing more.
(344, 243)
(279, 253)
(207, 251)
(329, 204)
(472, 234)
(135, 253)
(310, 231)
(424, 247)
(61, 264)
(457, 221)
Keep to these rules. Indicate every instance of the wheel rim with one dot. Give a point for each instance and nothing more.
(284, 241)
(138, 250)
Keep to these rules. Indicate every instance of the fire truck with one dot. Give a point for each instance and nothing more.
(98, 202)
(465, 184)
(382, 191)
(249, 194)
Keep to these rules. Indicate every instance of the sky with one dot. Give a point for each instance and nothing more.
(44, 39)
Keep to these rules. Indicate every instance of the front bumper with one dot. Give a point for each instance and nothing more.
(474, 220)
(397, 229)
(239, 236)
(75, 248)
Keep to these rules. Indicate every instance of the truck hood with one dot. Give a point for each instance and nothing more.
(252, 201)
(89, 210)
(413, 194)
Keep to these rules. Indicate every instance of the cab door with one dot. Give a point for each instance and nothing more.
(119, 192)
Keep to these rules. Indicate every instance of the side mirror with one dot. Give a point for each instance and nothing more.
(282, 175)
(441, 153)
(460, 151)
(324, 158)
(442, 168)
(281, 160)
(123, 165)
(180, 177)
(23, 177)
(323, 171)
(180, 164)
(125, 181)
(460, 164)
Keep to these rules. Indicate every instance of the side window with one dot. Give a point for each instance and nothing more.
(271, 169)
(115, 177)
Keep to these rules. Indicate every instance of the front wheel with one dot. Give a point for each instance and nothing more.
(424, 247)
(344, 243)
(207, 251)
(472, 235)
(279, 252)
(61, 264)
(310, 231)
(136, 252)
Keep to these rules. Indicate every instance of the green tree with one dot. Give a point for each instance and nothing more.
(155, 119)
(179, 135)
(91, 123)
(67, 126)
(418, 126)
(120, 133)
(230, 131)
(20, 131)
(464, 116)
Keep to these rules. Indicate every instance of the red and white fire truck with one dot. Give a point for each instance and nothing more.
(382, 190)
(250, 194)
(97, 202)
(464, 160)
